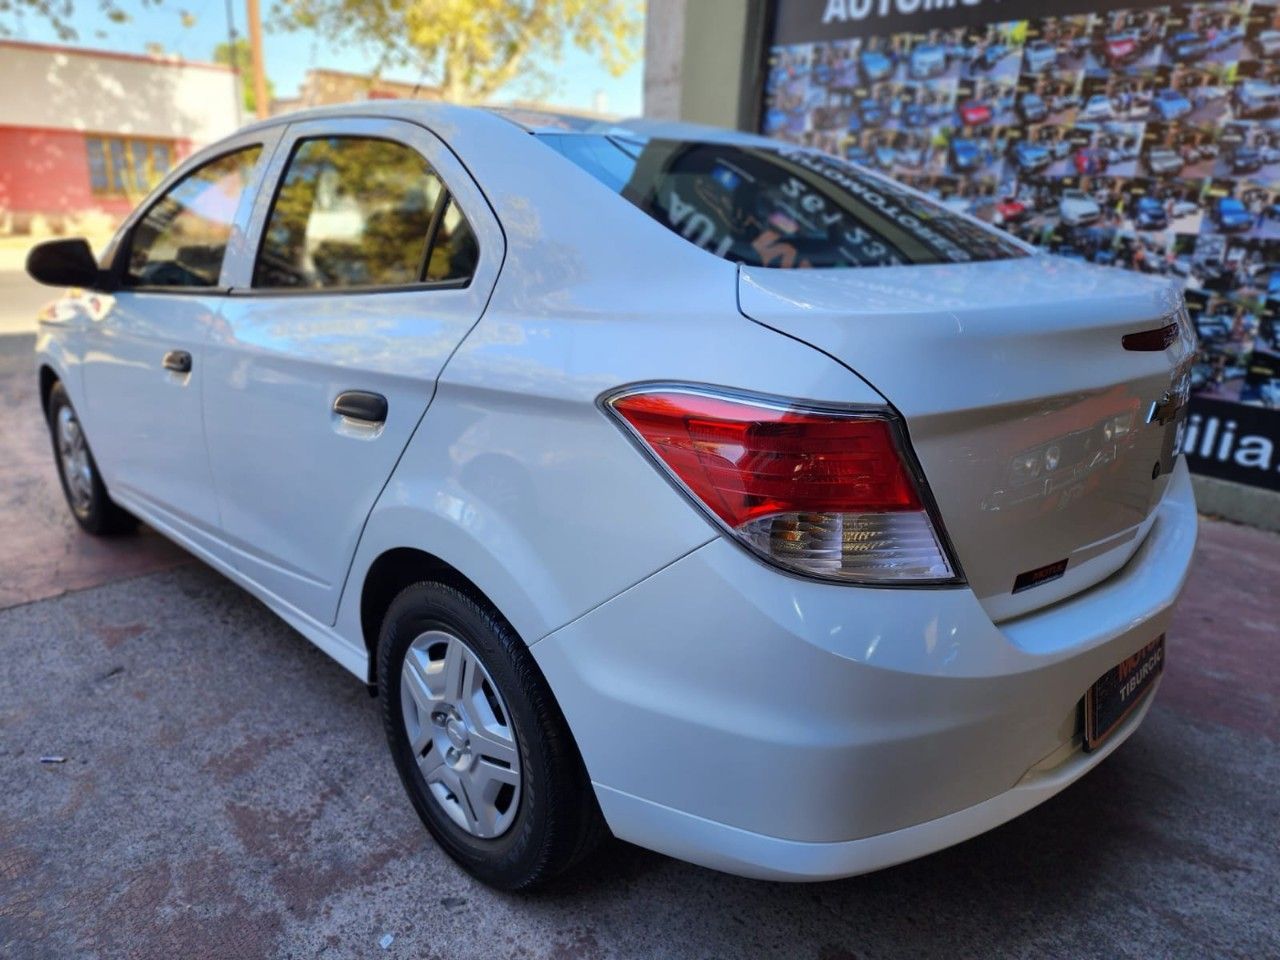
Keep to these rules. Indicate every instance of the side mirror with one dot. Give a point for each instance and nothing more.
(65, 263)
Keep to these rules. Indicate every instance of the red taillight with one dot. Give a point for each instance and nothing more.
(824, 492)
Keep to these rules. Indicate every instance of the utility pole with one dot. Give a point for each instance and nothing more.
(255, 46)
(238, 96)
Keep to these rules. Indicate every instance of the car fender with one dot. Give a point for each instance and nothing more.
(58, 347)
(520, 481)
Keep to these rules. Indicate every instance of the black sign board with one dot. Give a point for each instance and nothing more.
(809, 21)
(1125, 133)
(1233, 441)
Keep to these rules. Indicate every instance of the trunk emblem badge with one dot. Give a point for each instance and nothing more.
(1165, 410)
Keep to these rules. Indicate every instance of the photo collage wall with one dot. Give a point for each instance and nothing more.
(1146, 138)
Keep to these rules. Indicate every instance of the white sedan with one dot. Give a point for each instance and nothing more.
(632, 527)
(1077, 208)
(1097, 107)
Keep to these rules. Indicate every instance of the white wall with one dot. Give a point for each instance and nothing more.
(63, 89)
(695, 59)
(663, 58)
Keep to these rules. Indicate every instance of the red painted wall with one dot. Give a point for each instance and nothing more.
(47, 172)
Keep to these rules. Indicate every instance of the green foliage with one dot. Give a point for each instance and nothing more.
(243, 62)
(59, 14)
(473, 48)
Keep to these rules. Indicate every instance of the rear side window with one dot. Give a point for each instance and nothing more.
(780, 206)
(360, 212)
(454, 252)
(182, 239)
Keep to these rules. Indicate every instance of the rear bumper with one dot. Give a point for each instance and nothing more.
(747, 854)
(780, 728)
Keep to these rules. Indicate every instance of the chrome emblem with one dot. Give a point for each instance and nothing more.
(1165, 409)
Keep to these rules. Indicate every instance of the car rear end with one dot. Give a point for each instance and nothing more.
(918, 616)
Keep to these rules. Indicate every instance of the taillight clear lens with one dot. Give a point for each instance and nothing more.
(824, 493)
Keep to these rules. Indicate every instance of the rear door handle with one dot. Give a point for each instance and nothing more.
(179, 361)
(361, 405)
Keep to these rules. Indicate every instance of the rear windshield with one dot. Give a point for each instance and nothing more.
(780, 207)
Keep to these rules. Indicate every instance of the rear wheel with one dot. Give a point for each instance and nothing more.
(478, 741)
(82, 485)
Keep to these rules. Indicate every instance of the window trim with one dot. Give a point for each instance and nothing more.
(119, 269)
(418, 285)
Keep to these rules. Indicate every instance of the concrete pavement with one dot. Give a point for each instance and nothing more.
(49, 554)
(20, 299)
(226, 792)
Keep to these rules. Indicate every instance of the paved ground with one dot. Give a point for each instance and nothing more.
(20, 299)
(34, 523)
(226, 793)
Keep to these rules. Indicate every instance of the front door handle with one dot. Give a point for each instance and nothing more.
(361, 405)
(179, 361)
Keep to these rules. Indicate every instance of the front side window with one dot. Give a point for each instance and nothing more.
(359, 212)
(182, 239)
(780, 206)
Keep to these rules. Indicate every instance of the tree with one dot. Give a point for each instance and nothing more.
(59, 14)
(243, 57)
(471, 49)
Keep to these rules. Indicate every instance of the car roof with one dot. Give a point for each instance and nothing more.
(448, 116)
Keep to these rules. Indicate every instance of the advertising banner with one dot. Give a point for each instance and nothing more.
(1233, 441)
(1134, 135)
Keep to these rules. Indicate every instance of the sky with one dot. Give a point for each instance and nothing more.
(580, 81)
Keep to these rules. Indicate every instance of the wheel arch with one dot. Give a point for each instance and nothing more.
(48, 377)
(392, 571)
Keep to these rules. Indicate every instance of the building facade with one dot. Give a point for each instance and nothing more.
(84, 134)
(322, 86)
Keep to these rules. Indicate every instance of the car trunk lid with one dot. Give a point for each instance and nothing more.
(1029, 417)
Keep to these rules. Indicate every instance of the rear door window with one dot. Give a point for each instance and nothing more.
(357, 212)
(780, 206)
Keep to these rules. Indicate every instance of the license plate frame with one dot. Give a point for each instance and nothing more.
(1119, 691)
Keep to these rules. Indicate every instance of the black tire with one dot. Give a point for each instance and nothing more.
(98, 514)
(557, 822)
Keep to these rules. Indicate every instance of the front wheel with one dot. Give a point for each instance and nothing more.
(82, 485)
(480, 744)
